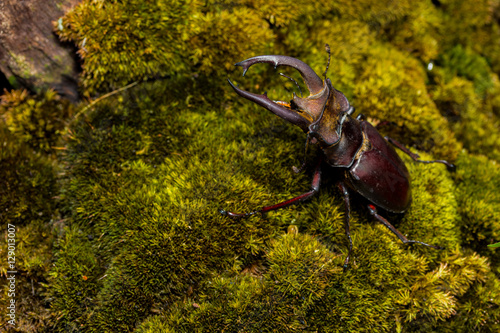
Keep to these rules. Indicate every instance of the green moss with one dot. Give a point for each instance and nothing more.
(471, 115)
(304, 288)
(417, 31)
(122, 42)
(28, 191)
(478, 178)
(24, 65)
(136, 235)
(37, 121)
(465, 63)
(149, 219)
(127, 41)
(13, 82)
(299, 270)
(152, 213)
(474, 26)
(73, 279)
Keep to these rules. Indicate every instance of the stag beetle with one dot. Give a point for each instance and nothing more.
(353, 146)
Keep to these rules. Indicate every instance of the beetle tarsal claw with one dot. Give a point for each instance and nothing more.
(299, 169)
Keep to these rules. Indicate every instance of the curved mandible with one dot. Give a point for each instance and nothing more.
(275, 108)
(312, 80)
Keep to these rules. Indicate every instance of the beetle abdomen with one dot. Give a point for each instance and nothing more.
(379, 174)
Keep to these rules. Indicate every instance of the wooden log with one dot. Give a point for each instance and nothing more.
(31, 55)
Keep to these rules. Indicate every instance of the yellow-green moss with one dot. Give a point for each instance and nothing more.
(142, 245)
(30, 128)
(149, 219)
(38, 121)
(471, 114)
(125, 41)
(479, 203)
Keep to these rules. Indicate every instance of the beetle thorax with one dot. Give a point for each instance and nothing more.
(328, 118)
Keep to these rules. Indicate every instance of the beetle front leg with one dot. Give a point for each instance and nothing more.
(415, 157)
(347, 202)
(402, 237)
(314, 189)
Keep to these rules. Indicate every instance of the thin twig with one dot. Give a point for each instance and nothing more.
(105, 96)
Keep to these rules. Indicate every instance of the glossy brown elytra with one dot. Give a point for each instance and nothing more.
(351, 146)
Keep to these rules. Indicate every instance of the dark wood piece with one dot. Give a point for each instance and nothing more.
(31, 55)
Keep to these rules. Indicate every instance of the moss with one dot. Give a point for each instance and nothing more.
(149, 222)
(115, 36)
(122, 42)
(37, 121)
(164, 194)
(417, 31)
(472, 25)
(13, 82)
(471, 115)
(135, 238)
(147, 174)
(28, 189)
(73, 279)
(327, 299)
(465, 63)
(478, 201)
(299, 270)
(24, 65)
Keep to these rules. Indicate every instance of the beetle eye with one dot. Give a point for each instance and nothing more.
(294, 106)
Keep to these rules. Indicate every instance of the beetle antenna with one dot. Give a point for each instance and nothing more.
(298, 170)
(296, 83)
(327, 47)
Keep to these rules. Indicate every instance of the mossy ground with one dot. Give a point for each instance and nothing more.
(116, 208)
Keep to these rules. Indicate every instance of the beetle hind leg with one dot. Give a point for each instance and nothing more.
(415, 157)
(402, 237)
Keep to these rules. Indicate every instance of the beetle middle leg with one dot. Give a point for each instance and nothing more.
(347, 202)
(415, 157)
(402, 237)
(314, 189)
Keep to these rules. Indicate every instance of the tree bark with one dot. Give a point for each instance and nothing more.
(31, 55)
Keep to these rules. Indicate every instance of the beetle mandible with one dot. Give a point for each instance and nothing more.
(353, 146)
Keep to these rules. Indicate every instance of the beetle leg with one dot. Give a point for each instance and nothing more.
(314, 189)
(303, 165)
(402, 237)
(347, 201)
(385, 123)
(415, 157)
(296, 84)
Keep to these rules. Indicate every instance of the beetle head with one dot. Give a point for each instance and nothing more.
(318, 114)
